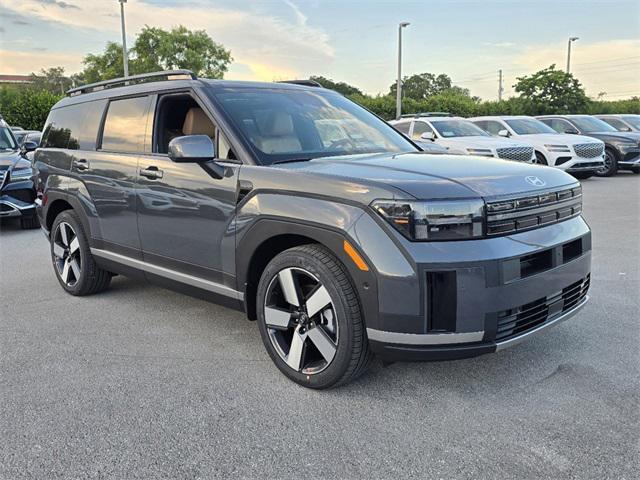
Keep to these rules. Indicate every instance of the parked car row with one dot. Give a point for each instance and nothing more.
(582, 145)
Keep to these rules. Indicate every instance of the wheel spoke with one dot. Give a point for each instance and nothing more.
(289, 288)
(294, 358)
(317, 301)
(276, 318)
(65, 271)
(322, 342)
(58, 250)
(75, 267)
(63, 235)
(74, 245)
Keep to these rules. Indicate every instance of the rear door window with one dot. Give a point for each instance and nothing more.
(125, 125)
(74, 127)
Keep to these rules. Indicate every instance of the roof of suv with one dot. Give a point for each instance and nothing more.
(148, 87)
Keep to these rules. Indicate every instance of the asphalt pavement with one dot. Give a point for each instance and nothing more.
(142, 382)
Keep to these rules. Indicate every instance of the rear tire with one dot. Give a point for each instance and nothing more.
(310, 319)
(610, 163)
(636, 171)
(28, 223)
(73, 264)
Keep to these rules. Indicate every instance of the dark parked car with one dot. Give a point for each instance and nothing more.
(17, 192)
(340, 247)
(622, 149)
(622, 123)
(24, 136)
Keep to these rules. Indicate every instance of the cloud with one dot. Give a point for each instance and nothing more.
(58, 3)
(16, 62)
(14, 18)
(254, 38)
(500, 44)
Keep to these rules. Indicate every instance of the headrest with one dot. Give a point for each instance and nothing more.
(197, 123)
(278, 124)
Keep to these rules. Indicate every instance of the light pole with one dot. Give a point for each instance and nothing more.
(571, 40)
(125, 57)
(399, 83)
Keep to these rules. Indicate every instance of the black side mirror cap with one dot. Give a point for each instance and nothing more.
(29, 146)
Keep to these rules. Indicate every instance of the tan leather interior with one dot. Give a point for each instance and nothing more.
(197, 123)
(277, 134)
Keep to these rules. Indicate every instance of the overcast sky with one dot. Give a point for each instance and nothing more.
(352, 41)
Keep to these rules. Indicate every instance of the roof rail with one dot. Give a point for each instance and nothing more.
(306, 83)
(427, 114)
(142, 78)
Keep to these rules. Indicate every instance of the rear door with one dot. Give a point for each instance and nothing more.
(184, 215)
(110, 173)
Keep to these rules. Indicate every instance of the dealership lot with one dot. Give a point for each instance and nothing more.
(141, 382)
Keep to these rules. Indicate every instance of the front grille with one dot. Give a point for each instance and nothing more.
(521, 154)
(525, 213)
(589, 150)
(519, 320)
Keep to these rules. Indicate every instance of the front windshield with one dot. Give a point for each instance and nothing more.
(289, 124)
(592, 125)
(6, 139)
(633, 120)
(529, 126)
(458, 128)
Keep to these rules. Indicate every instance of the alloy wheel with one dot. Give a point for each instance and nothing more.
(301, 320)
(608, 162)
(66, 254)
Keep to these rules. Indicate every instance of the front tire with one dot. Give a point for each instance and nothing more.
(73, 264)
(310, 319)
(610, 163)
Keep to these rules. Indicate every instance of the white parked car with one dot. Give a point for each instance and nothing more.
(462, 137)
(576, 154)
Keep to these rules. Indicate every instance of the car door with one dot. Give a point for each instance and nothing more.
(185, 215)
(109, 174)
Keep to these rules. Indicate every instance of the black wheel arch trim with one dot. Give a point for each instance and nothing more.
(56, 195)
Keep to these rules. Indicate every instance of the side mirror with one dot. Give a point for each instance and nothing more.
(428, 136)
(29, 146)
(504, 133)
(571, 131)
(196, 149)
(627, 129)
(192, 149)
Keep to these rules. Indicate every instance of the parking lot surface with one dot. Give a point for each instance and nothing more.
(141, 382)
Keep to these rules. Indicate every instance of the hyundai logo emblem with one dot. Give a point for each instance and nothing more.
(535, 181)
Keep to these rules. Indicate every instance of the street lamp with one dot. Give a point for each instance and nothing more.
(125, 57)
(571, 40)
(399, 83)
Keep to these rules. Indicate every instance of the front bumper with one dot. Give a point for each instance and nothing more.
(11, 207)
(630, 161)
(469, 298)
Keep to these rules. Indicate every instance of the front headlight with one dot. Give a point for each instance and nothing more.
(434, 220)
(483, 152)
(558, 148)
(20, 174)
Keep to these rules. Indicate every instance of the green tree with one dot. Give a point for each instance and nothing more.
(552, 91)
(27, 107)
(51, 79)
(157, 49)
(340, 87)
(422, 85)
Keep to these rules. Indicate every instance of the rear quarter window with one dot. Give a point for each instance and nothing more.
(125, 125)
(74, 127)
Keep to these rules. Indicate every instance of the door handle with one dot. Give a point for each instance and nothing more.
(151, 172)
(81, 164)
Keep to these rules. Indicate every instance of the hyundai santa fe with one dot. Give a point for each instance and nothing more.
(315, 217)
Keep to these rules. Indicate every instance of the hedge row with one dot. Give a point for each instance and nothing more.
(25, 107)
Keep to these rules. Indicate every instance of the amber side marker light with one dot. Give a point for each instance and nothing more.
(357, 259)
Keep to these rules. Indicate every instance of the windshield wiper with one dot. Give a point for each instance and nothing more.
(291, 160)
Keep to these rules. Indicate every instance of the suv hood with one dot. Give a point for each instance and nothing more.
(617, 136)
(439, 176)
(12, 159)
(556, 139)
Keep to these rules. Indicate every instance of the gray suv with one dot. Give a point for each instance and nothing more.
(312, 215)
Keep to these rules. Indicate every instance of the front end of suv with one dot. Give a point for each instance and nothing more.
(587, 156)
(493, 272)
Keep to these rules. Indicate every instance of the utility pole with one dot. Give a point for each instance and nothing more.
(571, 40)
(500, 88)
(125, 56)
(399, 82)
